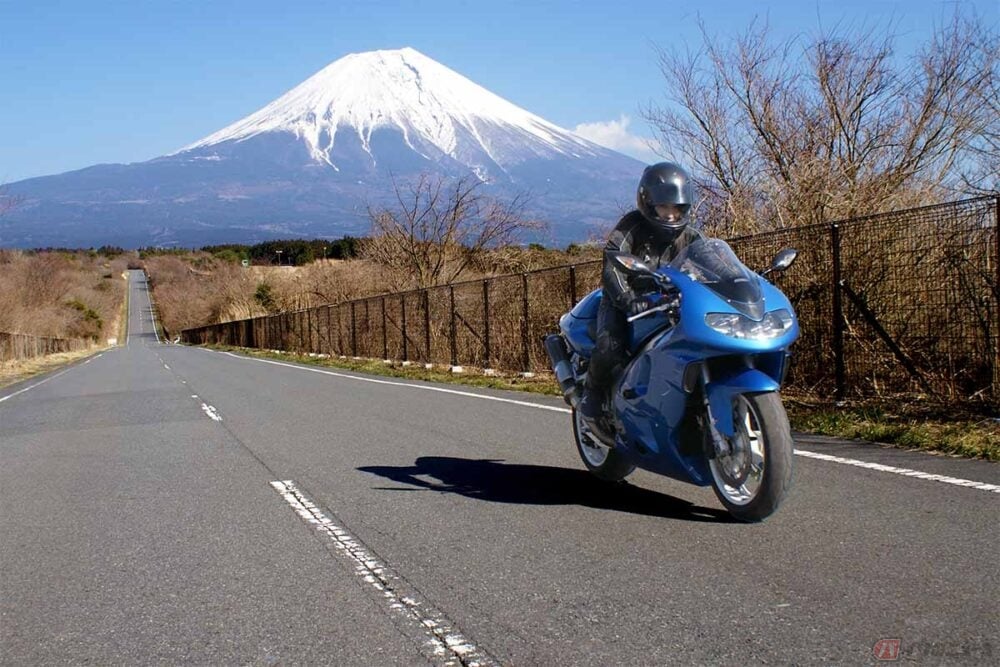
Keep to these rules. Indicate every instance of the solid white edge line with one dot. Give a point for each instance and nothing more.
(37, 384)
(443, 640)
(905, 472)
(442, 390)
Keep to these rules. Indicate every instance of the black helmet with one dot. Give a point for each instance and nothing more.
(665, 196)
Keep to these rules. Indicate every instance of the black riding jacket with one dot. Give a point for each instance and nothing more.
(637, 236)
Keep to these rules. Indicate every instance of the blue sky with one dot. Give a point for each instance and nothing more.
(91, 81)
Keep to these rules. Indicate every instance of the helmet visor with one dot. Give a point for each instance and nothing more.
(671, 213)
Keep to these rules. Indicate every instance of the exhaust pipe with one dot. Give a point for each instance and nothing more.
(555, 345)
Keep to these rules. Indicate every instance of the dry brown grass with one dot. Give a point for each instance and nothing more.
(61, 294)
(16, 371)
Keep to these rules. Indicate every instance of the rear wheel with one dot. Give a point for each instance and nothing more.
(605, 462)
(753, 480)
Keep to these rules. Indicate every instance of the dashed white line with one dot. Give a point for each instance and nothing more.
(152, 315)
(212, 413)
(906, 472)
(444, 642)
(128, 308)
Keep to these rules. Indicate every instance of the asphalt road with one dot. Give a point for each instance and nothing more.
(164, 504)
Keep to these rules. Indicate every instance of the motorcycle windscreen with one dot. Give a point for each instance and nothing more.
(713, 263)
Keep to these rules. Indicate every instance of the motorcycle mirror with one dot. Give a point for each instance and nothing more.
(630, 263)
(784, 259)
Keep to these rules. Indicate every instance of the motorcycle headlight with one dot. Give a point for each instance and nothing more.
(774, 324)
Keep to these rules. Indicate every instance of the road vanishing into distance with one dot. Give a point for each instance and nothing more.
(174, 505)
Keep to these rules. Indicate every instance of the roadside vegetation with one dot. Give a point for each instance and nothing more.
(17, 370)
(62, 294)
(66, 294)
(904, 424)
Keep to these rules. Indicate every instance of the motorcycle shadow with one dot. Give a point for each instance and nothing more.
(500, 482)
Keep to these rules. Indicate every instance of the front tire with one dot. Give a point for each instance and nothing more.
(753, 483)
(604, 462)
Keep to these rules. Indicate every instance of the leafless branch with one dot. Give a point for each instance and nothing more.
(439, 227)
(812, 129)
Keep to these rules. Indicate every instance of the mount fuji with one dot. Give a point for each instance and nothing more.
(309, 163)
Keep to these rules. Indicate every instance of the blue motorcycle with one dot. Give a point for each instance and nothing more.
(698, 400)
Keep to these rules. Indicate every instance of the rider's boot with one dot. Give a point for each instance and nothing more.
(592, 404)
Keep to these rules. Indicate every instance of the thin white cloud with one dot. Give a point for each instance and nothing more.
(614, 134)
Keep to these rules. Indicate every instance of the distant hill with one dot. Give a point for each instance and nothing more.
(306, 164)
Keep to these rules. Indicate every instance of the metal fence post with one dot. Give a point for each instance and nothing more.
(427, 325)
(838, 317)
(525, 328)
(402, 305)
(340, 340)
(329, 337)
(572, 286)
(354, 329)
(996, 292)
(309, 327)
(486, 323)
(368, 330)
(385, 338)
(454, 331)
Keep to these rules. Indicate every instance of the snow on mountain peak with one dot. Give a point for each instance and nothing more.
(435, 109)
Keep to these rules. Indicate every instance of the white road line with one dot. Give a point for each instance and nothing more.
(152, 315)
(444, 642)
(906, 472)
(37, 384)
(538, 406)
(212, 413)
(128, 310)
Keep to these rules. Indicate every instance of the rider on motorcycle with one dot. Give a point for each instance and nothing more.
(654, 233)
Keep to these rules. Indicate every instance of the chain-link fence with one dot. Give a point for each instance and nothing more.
(19, 347)
(901, 303)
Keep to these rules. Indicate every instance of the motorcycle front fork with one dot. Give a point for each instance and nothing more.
(721, 446)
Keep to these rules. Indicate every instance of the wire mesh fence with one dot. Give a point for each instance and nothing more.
(897, 304)
(20, 347)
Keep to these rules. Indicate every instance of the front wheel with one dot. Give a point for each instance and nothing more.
(604, 462)
(753, 480)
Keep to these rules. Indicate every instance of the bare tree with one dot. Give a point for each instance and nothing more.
(439, 227)
(980, 170)
(806, 130)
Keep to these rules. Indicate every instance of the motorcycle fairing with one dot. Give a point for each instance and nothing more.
(651, 404)
(722, 390)
(579, 325)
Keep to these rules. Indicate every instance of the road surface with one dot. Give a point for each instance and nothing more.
(166, 504)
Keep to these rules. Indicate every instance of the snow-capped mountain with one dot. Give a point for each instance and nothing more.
(309, 163)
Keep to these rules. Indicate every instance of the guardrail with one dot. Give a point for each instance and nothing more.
(901, 303)
(19, 347)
